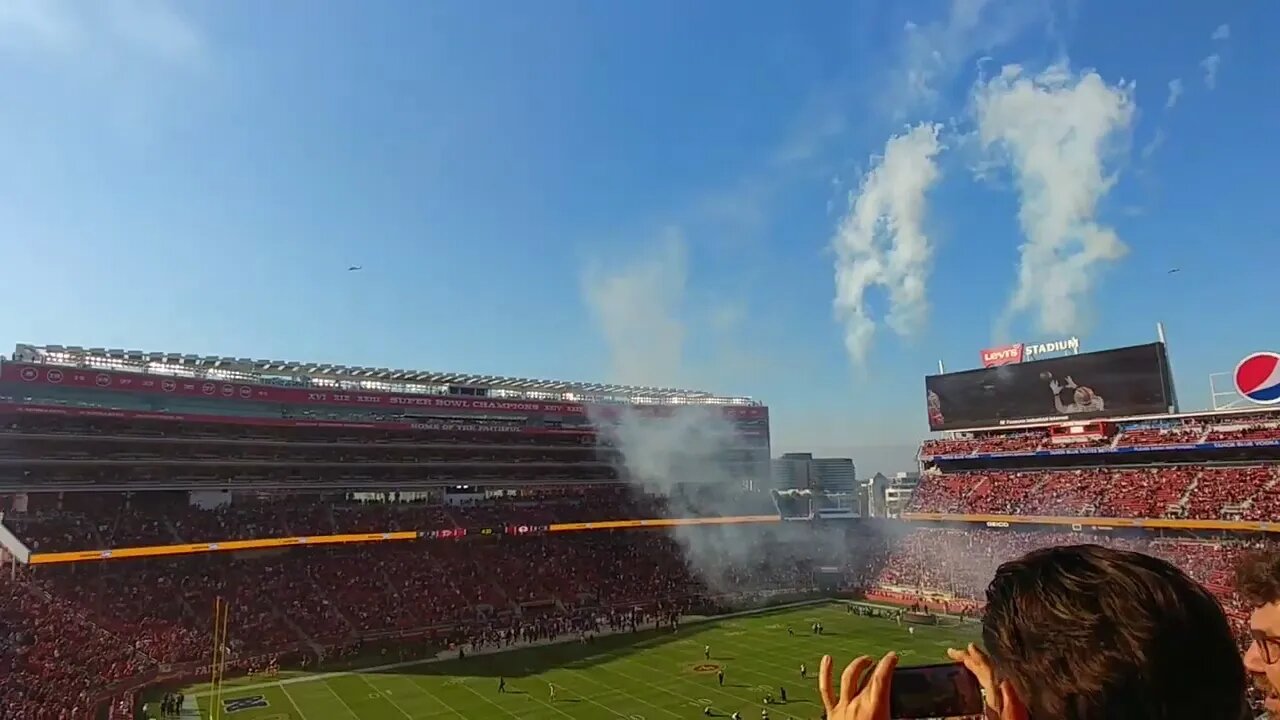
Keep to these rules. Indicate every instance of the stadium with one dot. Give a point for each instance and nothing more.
(271, 539)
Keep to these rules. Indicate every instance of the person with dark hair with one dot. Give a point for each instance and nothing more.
(1086, 632)
(1258, 582)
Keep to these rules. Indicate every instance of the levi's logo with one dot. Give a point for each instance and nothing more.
(1002, 355)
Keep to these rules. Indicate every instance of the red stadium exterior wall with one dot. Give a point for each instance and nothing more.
(22, 373)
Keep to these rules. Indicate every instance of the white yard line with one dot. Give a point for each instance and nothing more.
(501, 709)
(350, 710)
(642, 701)
(293, 703)
(385, 695)
(434, 698)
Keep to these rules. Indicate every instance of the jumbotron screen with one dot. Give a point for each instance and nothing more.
(1126, 381)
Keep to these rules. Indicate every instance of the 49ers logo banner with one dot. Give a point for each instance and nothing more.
(240, 704)
(1127, 381)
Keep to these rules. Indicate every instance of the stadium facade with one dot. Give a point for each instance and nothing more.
(97, 419)
(340, 510)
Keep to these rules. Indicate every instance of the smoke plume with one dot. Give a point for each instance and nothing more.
(686, 455)
(882, 241)
(1057, 132)
(637, 308)
(1175, 92)
(681, 452)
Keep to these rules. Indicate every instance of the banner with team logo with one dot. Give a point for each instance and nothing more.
(1126, 381)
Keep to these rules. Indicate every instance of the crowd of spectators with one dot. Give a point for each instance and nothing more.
(958, 563)
(1189, 431)
(67, 633)
(92, 521)
(1192, 491)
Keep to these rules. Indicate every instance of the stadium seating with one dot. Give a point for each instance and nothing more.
(83, 627)
(74, 635)
(1190, 491)
(1232, 428)
(958, 563)
(89, 521)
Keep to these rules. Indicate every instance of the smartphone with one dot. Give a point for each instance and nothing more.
(934, 691)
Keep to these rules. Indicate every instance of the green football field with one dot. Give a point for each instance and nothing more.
(649, 676)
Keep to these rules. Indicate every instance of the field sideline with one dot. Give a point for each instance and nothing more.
(649, 676)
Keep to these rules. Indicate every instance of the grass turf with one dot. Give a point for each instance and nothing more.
(647, 676)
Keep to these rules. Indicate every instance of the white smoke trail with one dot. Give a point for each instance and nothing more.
(1210, 66)
(683, 455)
(637, 308)
(1057, 131)
(882, 241)
(1175, 92)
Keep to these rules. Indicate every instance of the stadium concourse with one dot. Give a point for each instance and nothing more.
(345, 514)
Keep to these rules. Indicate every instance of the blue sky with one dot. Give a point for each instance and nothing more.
(649, 192)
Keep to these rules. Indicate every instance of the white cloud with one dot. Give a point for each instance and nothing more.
(933, 53)
(881, 242)
(1210, 66)
(1223, 32)
(1157, 140)
(1057, 132)
(637, 307)
(1175, 92)
(108, 31)
(27, 25)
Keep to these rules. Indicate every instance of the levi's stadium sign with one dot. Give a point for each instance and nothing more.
(1026, 352)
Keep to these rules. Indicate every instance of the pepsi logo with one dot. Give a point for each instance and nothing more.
(1258, 378)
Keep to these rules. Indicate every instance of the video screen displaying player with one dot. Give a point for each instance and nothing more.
(1080, 398)
(1127, 381)
(936, 418)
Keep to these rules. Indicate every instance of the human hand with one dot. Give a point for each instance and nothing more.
(977, 662)
(857, 701)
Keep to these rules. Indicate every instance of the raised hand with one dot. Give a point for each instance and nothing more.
(857, 700)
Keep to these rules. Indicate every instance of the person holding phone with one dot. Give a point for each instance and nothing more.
(1079, 632)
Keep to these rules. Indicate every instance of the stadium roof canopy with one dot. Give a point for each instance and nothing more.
(326, 375)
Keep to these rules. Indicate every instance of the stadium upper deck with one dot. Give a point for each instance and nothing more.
(1243, 434)
(75, 419)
